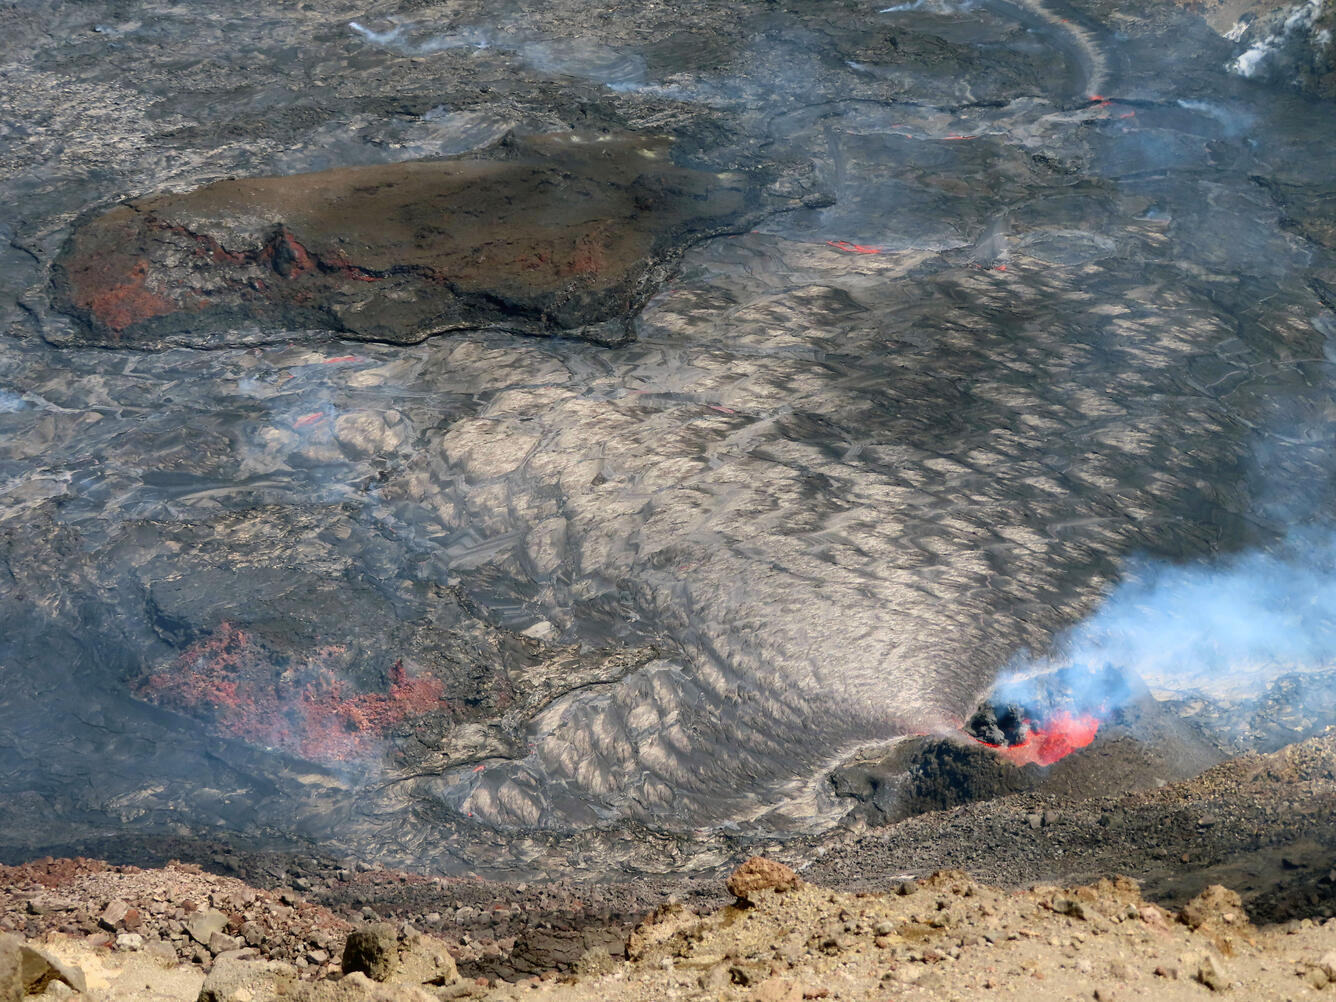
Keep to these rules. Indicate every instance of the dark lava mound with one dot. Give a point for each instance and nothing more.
(546, 235)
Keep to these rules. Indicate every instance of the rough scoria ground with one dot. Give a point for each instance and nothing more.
(873, 920)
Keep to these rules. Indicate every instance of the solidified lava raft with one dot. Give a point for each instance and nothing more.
(306, 705)
(539, 236)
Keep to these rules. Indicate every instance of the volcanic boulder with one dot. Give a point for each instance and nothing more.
(204, 925)
(380, 953)
(38, 969)
(373, 950)
(11, 981)
(760, 874)
(547, 235)
(234, 979)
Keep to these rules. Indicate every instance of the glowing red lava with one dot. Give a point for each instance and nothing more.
(849, 248)
(1058, 736)
(301, 703)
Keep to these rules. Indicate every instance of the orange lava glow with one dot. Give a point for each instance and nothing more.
(298, 702)
(1059, 736)
(849, 248)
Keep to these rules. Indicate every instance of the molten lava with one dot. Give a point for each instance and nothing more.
(849, 248)
(1058, 736)
(301, 702)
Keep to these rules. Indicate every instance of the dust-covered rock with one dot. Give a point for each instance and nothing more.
(11, 980)
(759, 874)
(424, 960)
(242, 980)
(357, 987)
(383, 954)
(777, 990)
(372, 950)
(1328, 964)
(38, 969)
(1215, 907)
(1207, 969)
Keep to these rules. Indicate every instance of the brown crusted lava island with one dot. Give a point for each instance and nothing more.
(546, 235)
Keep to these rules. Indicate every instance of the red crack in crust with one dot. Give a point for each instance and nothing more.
(282, 253)
(848, 248)
(587, 258)
(590, 257)
(289, 256)
(300, 704)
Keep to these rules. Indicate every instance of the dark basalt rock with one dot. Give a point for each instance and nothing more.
(927, 774)
(546, 235)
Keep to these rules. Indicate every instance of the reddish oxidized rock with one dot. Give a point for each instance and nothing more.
(549, 235)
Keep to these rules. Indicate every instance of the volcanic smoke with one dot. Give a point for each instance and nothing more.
(1223, 630)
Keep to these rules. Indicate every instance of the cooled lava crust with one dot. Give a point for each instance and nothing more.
(546, 235)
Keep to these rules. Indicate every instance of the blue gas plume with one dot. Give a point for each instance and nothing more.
(1224, 628)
